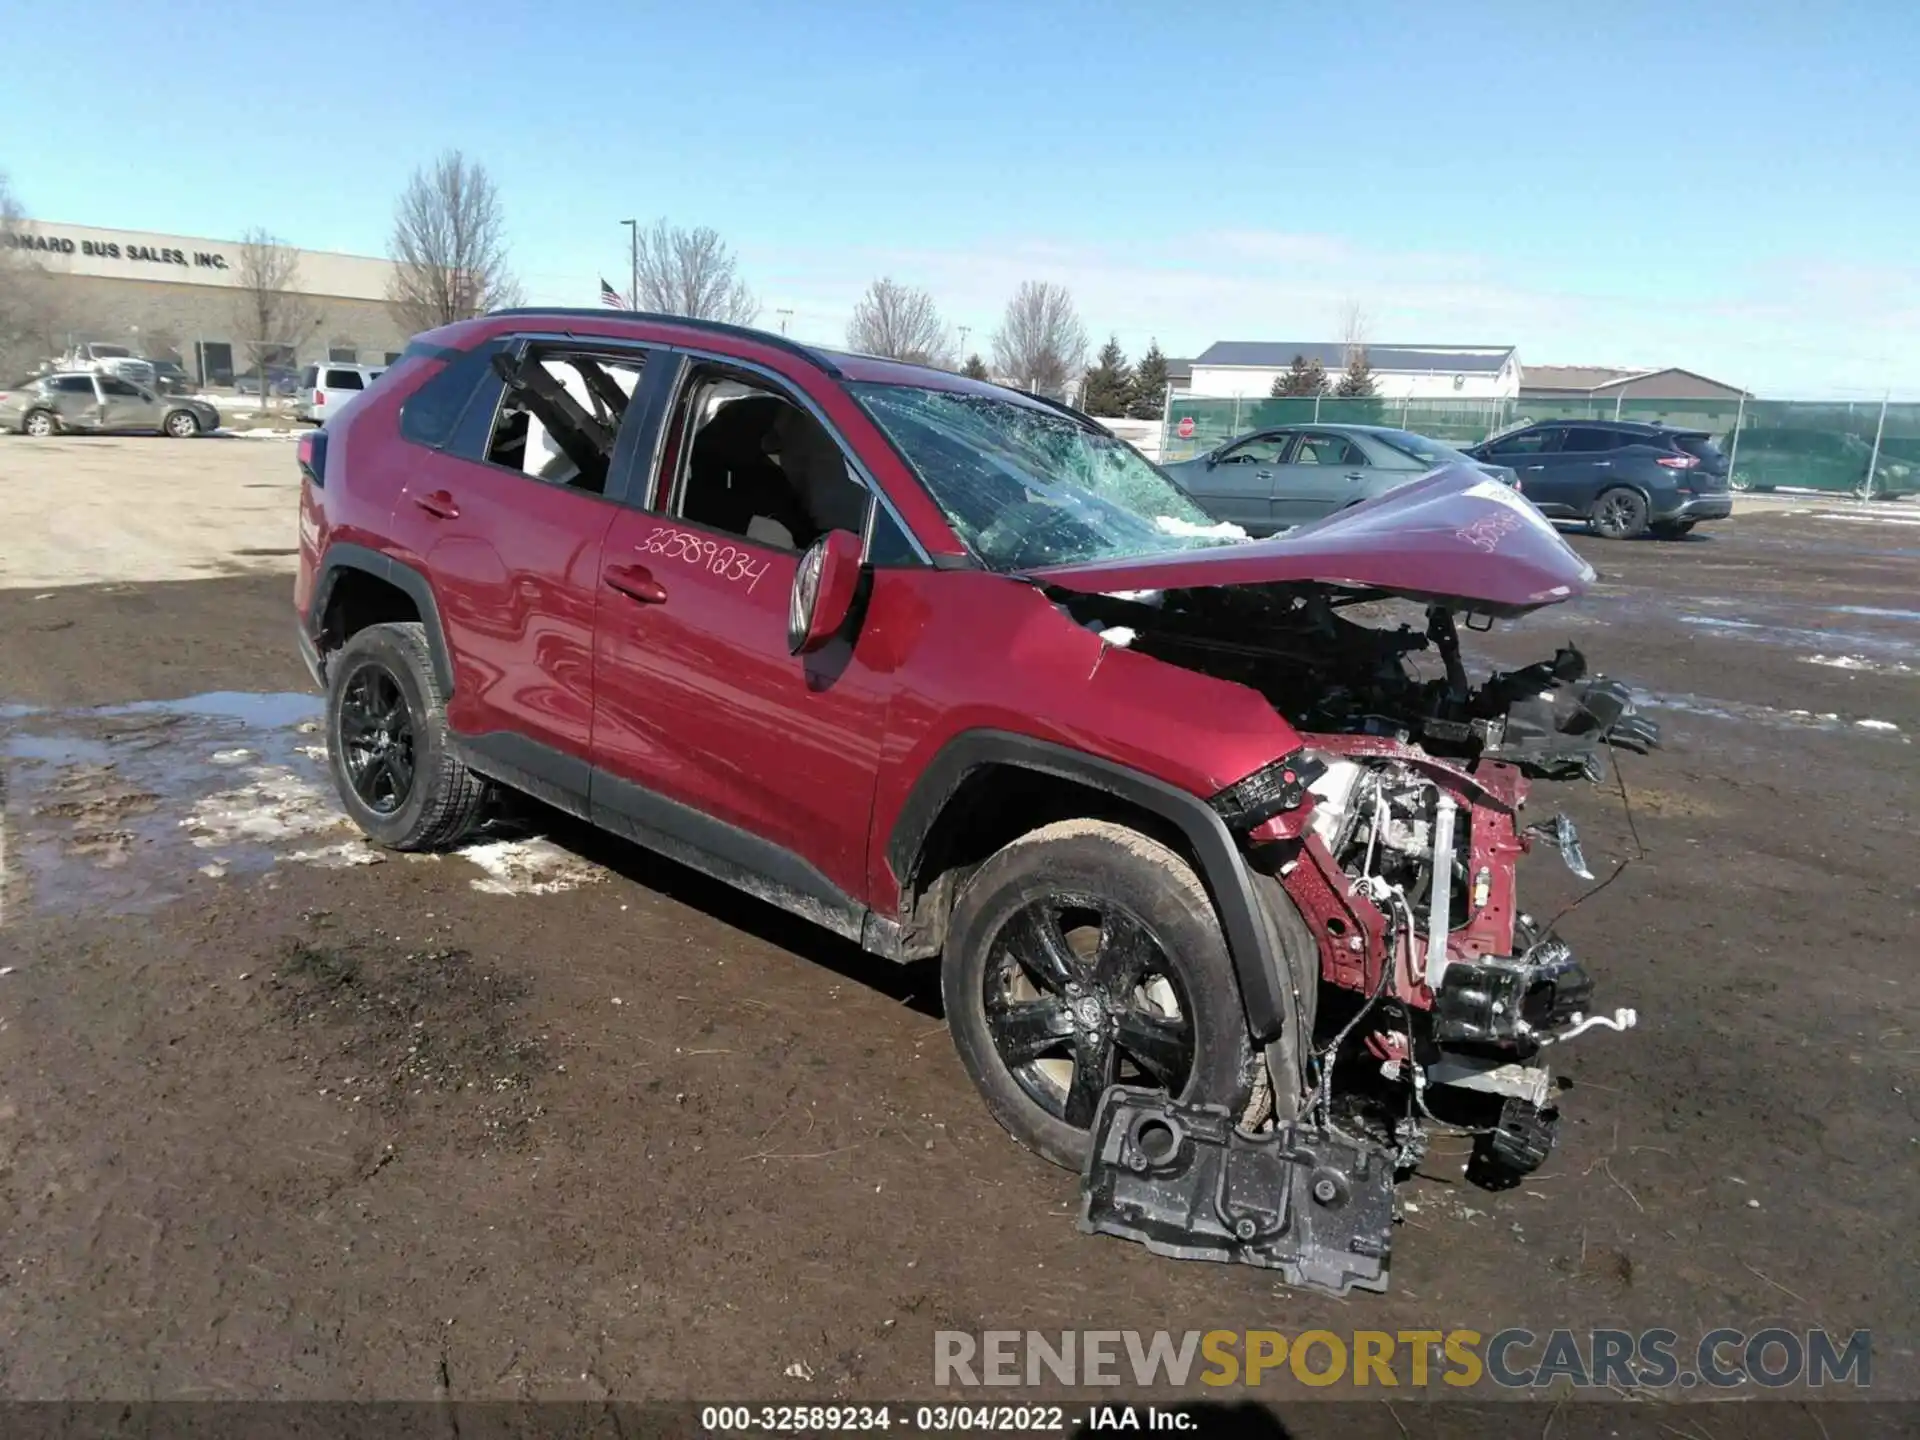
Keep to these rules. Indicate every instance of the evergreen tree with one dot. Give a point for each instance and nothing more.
(1303, 378)
(1357, 383)
(1109, 384)
(975, 368)
(1149, 384)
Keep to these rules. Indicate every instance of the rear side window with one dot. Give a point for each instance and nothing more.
(74, 385)
(1581, 441)
(309, 377)
(345, 380)
(431, 413)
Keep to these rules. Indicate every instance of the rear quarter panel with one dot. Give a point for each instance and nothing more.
(366, 466)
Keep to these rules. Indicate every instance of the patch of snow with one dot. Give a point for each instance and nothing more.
(274, 804)
(1876, 725)
(1120, 635)
(1858, 662)
(230, 757)
(1225, 530)
(341, 856)
(529, 867)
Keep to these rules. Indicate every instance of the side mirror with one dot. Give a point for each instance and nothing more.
(823, 590)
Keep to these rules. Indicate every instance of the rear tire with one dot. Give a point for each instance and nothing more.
(1082, 955)
(388, 746)
(38, 423)
(1619, 514)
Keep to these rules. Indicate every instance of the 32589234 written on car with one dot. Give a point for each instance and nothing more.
(944, 668)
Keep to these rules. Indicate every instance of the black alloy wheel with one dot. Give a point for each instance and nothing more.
(1079, 996)
(377, 736)
(1620, 514)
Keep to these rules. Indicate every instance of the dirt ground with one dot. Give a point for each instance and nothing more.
(281, 1117)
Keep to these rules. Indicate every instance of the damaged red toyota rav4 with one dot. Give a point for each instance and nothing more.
(1223, 889)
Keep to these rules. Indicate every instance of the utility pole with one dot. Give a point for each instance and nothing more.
(785, 315)
(1873, 462)
(633, 250)
(965, 330)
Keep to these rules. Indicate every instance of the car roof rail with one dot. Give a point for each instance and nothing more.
(717, 327)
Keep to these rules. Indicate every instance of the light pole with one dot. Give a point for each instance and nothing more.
(633, 249)
(785, 315)
(965, 330)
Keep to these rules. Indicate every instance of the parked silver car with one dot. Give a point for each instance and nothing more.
(71, 401)
(1278, 478)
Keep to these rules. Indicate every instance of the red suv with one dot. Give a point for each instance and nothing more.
(954, 672)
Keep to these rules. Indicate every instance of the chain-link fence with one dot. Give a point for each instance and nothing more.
(1856, 448)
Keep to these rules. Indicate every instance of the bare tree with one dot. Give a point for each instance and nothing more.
(270, 318)
(449, 247)
(900, 323)
(692, 273)
(26, 298)
(1041, 343)
(1354, 325)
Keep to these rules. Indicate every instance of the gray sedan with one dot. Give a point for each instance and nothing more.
(1279, 478)
(97, 404)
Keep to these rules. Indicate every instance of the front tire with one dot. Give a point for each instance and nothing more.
(38, 423)
(1619, 514)
(182, 425)
(388, 746)
(1084, 955)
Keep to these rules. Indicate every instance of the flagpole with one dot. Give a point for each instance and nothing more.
(633, 237)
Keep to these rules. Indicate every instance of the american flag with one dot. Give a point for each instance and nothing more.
(611, 297)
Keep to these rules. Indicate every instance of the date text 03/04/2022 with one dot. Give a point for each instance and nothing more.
(940, 1419)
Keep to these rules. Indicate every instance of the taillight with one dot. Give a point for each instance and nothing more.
(1516, 486)
(1678, 462)
(319, 397)
(312, 455)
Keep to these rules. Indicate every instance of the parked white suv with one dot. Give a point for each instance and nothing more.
(325, 388)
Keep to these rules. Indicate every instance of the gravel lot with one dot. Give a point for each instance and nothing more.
(281, 1117)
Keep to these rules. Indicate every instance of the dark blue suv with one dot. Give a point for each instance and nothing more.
(1622, 477)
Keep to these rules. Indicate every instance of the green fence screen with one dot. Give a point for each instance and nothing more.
(1774, 444)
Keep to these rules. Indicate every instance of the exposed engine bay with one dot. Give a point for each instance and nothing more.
(1395, 830)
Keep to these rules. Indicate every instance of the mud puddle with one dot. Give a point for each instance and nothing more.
(124, 808)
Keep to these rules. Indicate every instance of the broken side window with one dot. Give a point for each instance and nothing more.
(560, 414)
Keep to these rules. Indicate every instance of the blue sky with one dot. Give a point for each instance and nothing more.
(1731, 187)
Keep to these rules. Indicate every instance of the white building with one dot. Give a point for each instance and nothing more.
(1247, 369)
(183, 298)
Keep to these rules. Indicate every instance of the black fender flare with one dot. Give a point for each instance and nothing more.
(344, 556)
(1259, 970)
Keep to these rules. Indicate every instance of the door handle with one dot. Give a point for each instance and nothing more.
(1536, 467)
(1356, 475)
(438, 504)
(636, 582)
(1603, 463)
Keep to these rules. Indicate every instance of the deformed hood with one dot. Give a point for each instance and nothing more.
(1453, 537)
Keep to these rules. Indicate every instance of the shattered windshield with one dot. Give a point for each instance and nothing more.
(1026, 487)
